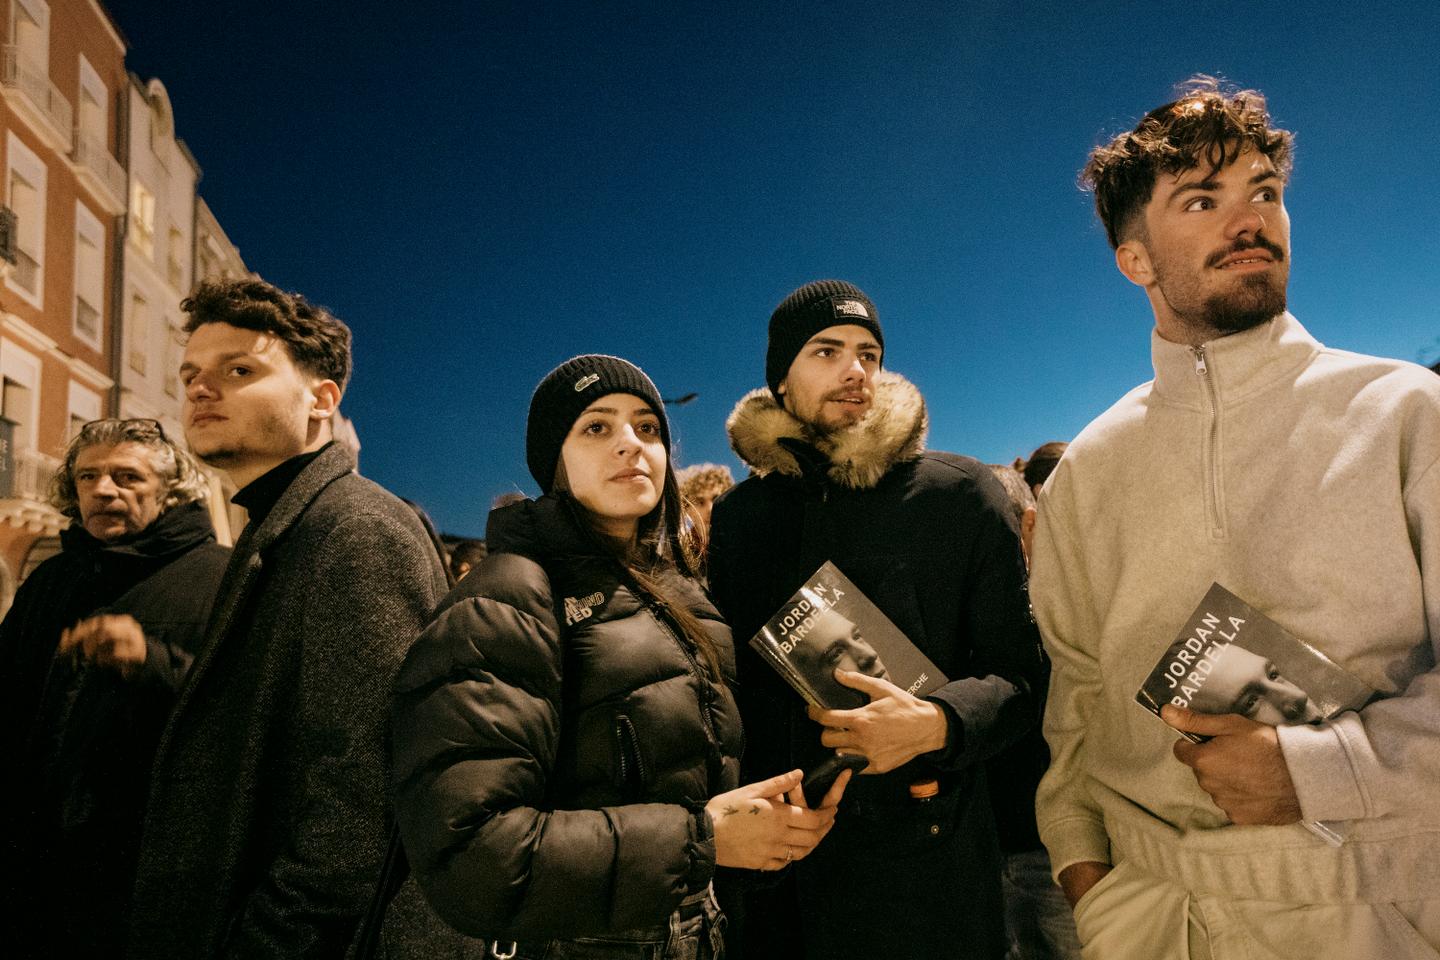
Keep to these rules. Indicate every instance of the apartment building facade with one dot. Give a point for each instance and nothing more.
(158, 258)
(62, 92)
(102, 234)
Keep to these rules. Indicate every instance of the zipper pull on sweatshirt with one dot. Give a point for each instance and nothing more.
(1200, 368)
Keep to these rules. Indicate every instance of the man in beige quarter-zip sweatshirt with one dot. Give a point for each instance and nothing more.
(1303, 479)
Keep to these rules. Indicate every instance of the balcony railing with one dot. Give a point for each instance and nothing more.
(18, 73)
(33, 471)
(31, 479)
(23, 493)
(105, 172)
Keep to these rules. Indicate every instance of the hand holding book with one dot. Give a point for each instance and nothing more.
(829, 625)
(1240, 766)
(1231, 676)
(892, 729)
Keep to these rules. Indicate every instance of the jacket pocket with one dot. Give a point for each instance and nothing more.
(630, 763)
(885, 825)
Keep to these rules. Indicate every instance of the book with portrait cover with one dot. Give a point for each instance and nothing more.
(830, 623)
(1231, 658)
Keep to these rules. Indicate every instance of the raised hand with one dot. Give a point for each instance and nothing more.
(114, 640)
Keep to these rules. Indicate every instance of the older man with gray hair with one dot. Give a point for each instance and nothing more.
(92, 653)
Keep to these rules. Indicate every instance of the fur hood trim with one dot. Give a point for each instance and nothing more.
(892, 431)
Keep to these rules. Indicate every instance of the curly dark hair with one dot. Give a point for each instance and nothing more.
(318, 341)
(1207, 123)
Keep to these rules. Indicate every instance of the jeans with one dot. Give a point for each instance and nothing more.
(695, 931)
(1038, 922)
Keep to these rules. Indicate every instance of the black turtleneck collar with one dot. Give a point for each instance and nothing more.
(176, 530)
(260, 495)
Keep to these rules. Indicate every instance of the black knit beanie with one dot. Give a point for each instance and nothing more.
(807, 311)
(565, 393)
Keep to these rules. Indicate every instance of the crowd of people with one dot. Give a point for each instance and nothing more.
(323, 743)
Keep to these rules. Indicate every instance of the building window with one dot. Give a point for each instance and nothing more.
(25, 183)
(15, 404)
(174, 353)
(29, 229)
(175, 270)
(93, 120)
(207, 268)
(30, 32)
(142, 218)
(89, 275)
(19, 393)
(139, 332)
(160, 130)
(84, 407)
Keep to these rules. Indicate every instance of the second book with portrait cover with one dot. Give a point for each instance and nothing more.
(828, 624)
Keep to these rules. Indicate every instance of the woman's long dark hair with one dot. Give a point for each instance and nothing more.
(661, 544)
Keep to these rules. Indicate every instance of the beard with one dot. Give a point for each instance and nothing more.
(820, 423)
(269, 433)
(1243, 304)
(1258, 299)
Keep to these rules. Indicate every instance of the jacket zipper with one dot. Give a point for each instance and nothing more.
(628, 746)
(699, 674)
(1210, 457)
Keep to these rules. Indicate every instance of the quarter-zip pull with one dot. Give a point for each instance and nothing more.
(1214, 495)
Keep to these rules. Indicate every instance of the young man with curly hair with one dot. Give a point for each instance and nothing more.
(1303, 479)
(267, 817)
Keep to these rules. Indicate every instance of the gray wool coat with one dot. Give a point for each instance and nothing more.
(267, 815)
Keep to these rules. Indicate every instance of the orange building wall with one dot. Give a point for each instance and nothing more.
(76, 27)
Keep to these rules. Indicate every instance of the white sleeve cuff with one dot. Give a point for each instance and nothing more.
(1320, 768)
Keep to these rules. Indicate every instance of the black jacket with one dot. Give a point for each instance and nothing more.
(556, 740)
(930, 538)
(80, 738)
(267, 819)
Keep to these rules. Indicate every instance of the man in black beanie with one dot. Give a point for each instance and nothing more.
(840, 473)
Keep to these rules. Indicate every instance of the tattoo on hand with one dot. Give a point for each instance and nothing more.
(729, 810)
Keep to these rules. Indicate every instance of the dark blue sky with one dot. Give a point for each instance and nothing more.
(483, 189)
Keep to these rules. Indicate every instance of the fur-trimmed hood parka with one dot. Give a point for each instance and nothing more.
(931, 540)
(764, 435)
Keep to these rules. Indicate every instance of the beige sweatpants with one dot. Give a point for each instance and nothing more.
(1132, 915)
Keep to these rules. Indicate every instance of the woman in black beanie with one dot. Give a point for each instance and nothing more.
(566, 747)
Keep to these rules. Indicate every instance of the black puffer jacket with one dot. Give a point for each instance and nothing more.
(555, 741)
